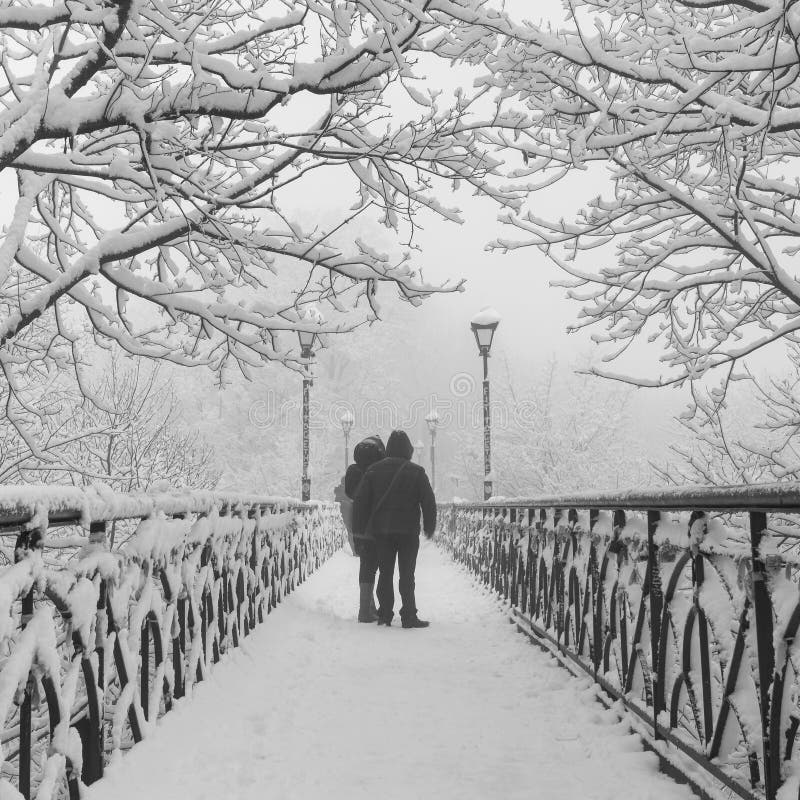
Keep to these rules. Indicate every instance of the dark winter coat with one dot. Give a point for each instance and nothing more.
(366, 453)
(400, 511)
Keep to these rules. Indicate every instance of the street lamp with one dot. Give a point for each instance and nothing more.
(419, 450)
(347, 420)
(433, 421)
(483, 325)
(307, 342)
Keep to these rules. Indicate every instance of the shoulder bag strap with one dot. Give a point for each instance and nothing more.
(385, 495)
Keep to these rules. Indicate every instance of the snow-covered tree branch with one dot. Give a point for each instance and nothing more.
(747, 432)
(157, 148)
(694, 107)
(132, 437)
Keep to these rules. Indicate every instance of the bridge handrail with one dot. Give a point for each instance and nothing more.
(745, 497)
(97, 643)
(682, 603)
(79, 506)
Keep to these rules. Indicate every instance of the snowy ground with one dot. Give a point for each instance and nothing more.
(315, 705)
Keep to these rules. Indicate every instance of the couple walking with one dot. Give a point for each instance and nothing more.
(388, 493)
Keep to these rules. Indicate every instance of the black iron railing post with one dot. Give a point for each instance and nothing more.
(252, 589)
(26, 714)
(656, 608)
(144, 673)
(205, 616)
(596, 595)
(561, 549)
(762, 612)
(95, 730)
(179, 648)
(513, 546)
(28, 541)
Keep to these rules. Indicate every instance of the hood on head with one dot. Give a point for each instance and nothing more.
(368, 451)
(399, 445)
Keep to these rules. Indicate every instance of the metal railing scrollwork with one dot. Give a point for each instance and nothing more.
(684, 604)
(101, 633)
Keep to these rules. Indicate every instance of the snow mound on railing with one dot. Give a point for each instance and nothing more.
(100, 503)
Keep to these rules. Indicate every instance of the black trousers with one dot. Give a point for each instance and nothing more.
(368, 560)
(403, 549)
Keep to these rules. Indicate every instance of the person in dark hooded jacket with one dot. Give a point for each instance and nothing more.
(387, 506)
(366, 452)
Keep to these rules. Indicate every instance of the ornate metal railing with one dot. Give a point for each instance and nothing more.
(683, 604)
(112, 606)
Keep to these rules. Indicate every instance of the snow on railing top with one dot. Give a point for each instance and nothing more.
(35, 504)
(746, 497)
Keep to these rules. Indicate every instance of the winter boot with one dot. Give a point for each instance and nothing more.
(385, 619)
(415, 622)
(365, 612)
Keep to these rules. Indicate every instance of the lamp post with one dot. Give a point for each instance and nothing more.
(419, 450)
(454, 481)
(433, 421)
(347, 420)
(483, 325)
(307, 340)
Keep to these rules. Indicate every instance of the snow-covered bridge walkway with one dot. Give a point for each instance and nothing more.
(314, 705)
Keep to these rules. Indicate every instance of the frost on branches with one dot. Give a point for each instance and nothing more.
(745, 433)
(132, 435)
(694, 107)
(157, 147)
